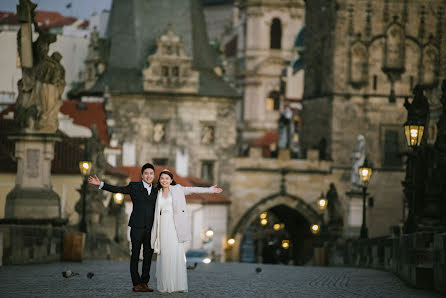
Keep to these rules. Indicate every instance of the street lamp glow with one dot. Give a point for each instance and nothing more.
(315, 229)
(322, 202)
(231, 241)
(263, 215)
(365, 172)
(206, 260)
(264, 222)
(276, 227)
(85, 167)
(209, 233)
(285, 244)
(118, 198)
(414, 134)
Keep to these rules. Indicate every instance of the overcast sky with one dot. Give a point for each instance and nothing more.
(79, 8)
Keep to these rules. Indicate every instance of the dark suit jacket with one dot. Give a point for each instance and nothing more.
(143, 204)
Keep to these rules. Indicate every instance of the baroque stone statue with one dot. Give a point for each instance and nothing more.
(334, 207)
(286, 128)
(357, 157)
(43, 76)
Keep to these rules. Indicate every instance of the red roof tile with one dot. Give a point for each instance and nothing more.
(67, 154)
(46, 19)
(135, 175)
(87, 114)
(267, 139)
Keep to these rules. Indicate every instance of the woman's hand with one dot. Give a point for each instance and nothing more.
(94, 180)
(216, 189)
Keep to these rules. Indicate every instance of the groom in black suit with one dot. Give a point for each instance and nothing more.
(143, 195)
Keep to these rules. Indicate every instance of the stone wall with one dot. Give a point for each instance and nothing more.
(263, 65)
(262, 183)
(31, 243)
(418, 259)
(183, 118)
(351, 71)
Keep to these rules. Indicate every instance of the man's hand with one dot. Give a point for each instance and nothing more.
(217, 189)
(94, 180)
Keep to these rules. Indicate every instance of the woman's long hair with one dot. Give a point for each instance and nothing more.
(167, 172)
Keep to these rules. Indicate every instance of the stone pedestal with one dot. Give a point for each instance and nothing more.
(33, 196)
(284, 155)
(354, 214)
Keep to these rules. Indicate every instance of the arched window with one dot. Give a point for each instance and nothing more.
(276, 34)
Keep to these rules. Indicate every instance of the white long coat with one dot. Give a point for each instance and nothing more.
(180, 214)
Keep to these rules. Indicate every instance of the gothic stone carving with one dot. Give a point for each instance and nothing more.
(170, 69)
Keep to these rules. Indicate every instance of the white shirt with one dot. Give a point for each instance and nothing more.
(146, 186)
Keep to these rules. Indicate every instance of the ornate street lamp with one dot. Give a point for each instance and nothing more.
(118, 198)
(365, 173)
(85, 169)
(417, 113)
(414, 134)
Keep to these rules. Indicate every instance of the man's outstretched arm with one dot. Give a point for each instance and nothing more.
(111, 188)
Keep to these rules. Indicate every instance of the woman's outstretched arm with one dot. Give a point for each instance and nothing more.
(213, 189)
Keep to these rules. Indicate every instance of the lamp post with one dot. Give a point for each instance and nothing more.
(414, 134)
(417, 112)
(85, 168)
(320, 228)
(118, 198)
(365, 172)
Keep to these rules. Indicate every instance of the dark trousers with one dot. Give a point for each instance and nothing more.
(140, 236)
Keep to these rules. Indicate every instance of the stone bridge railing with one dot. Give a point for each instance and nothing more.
(419, 259)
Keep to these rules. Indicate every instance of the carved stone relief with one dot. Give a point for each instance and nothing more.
(170, 69)
(159, 132)
(358, 65)
(394, 47)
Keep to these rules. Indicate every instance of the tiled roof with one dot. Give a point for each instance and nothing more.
(134, 174)
(46, 19)
(87, 114)
(67, 154)
(267, 139)
(83, 113)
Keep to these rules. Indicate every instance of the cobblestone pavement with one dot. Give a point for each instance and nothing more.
(214, 280)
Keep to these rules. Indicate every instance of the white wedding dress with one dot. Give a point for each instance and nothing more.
(171, 273)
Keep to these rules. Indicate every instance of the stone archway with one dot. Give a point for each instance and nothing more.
(293, 211)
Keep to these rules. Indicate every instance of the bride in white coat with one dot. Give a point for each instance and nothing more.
(171, 228)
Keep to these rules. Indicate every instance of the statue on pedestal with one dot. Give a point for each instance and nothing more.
(35, 117)
(358, 157)
(43, 76)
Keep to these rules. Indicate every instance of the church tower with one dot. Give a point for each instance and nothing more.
(267, 30)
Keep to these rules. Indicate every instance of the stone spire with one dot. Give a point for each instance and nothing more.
(134, 28)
